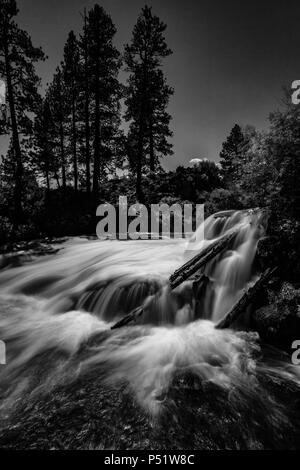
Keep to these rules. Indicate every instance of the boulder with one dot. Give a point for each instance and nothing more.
(278, 323)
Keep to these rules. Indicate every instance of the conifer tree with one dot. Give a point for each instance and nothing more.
(58, 102)
(17, 58)
(104, 91)
(147, 94)
(71, 70)
(232, 153)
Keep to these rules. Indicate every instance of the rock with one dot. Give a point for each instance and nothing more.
(278, 323)
(267, 252)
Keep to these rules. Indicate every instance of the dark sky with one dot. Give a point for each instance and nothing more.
(230, 59)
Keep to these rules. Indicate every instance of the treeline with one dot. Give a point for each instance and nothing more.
(73, 137)
(262, 169)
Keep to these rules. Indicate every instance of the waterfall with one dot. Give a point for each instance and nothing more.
(61, 308)
(110, 278)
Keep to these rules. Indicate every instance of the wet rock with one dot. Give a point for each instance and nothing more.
(16, 255)
(278, 323)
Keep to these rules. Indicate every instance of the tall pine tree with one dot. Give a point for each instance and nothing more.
(158, 131)
(84, 50)
(147, 95)
(17, 58)
(45, 158)
(59, 107)
(104, 91)
(71, 70)
(231, 155)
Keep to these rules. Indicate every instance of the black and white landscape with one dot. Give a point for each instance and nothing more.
(133, 341)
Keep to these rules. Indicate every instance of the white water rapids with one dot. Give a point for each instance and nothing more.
(58, 305)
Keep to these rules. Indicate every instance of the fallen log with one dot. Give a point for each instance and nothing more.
(129, 318)
(200, 260)
(185, 272)
(246, 299)
(198, 282)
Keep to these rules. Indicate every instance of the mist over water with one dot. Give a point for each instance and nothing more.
(60, 309)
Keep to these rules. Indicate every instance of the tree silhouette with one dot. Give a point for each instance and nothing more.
(58, 102)
(84, 48)
(17, 58)
(43, 156)
(71, 79)
(232, 152)
(102, 67)
(147, 94)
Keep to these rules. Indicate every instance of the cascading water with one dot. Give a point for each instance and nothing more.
(110, 278)
(231, 271)
(65, 304)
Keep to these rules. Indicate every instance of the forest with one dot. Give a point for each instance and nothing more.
(88, 138)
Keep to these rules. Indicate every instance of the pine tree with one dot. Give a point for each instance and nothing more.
(71, 71)
(17, 58)
(44, 158)
(104, 89)
(59, 106)
(84, 48)
(232, 153)
(147, 94)
(158, 119)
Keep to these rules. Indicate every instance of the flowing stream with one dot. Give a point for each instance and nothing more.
(58, 305)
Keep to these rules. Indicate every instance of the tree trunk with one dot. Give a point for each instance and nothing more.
(87, 114)
(62, 136)
(138, 190)
(141, 136)
(18, 212)
(151, 146)
(140, 154)
(97, 137)
(62, 154)
(57, 179)
(74, 139)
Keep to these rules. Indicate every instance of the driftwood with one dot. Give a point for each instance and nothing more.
(246, 299)
(185, 272)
